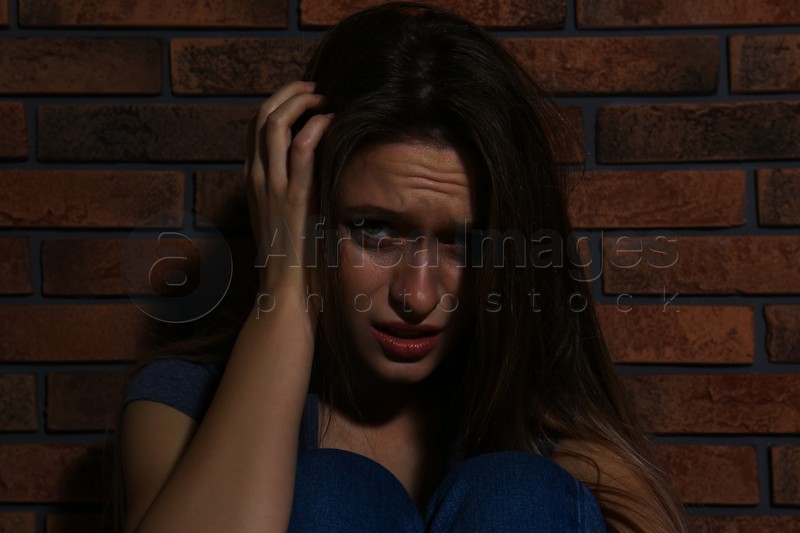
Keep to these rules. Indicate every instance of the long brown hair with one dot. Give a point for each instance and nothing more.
(537, 364)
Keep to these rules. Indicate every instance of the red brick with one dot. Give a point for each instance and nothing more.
(639, 14)
(694, 132)
(219, 197)
(539, 14)
(236, 66)
(745, 524)
(18, 403)
(764, 63)
(728, 403)
(783, 333)
(17, 522)
(84, 266)
(678, 334)
(72, 198)
(77, 523)
(51, 473)
(712, 475)
(80, 65)
(115, 267)
(659, 199)
(14, 133)
(621, 65)
(15, 269)
(146, 132)
(779, 197)
(785, 465)
(701, 265)
(108, 332)
(164, 13)
(83, 401)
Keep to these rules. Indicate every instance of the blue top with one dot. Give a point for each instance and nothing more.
(189, 387)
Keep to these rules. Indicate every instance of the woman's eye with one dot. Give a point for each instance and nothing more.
(371, 232)
(456, 246)
(376, 229)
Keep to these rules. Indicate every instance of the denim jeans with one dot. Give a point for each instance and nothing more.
(337, 490)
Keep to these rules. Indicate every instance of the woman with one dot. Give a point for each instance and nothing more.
(407, 203)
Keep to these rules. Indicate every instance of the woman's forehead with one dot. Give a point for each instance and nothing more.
(414, 178)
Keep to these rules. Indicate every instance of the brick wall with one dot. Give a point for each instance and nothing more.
(122, 116)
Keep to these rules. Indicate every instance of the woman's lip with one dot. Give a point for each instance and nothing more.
(403, 330)
(404, 348)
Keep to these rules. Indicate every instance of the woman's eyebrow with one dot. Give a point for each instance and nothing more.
(373, 211)
(401, 219)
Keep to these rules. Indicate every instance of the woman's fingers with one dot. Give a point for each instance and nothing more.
(301, 159)
(269, 105)
(280, 96)
(258, 160)
(278, 133)
(255, 134)
(256, 147)
(279, 179)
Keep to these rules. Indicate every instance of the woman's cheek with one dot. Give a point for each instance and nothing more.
(360, 275)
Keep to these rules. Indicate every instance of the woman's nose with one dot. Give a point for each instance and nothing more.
(416, 287)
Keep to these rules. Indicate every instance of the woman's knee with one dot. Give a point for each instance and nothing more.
(513, 491)
(337, 490)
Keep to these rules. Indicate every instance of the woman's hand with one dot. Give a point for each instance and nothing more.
(279, 180)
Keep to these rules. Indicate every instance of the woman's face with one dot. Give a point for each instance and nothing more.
(406, 208)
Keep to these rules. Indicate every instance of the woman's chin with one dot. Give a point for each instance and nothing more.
(388, 369)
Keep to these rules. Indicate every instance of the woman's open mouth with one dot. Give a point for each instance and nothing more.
(406, 343)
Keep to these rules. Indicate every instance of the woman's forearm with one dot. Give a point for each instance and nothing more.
(238, 472)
